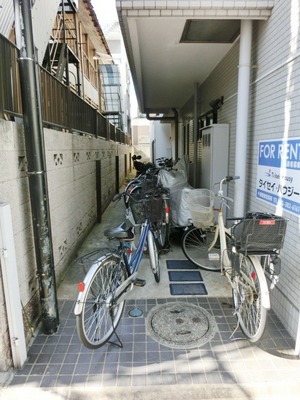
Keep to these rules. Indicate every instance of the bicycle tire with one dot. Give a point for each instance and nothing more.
(153, 256)
(195, 243)
(247, 300)
(99, 318)
(162, 228)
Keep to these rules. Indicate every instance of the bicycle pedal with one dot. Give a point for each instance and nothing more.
(139, 282)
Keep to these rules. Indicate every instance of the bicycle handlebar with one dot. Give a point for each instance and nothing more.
(223, 182)
(231, 178)
(147, 195)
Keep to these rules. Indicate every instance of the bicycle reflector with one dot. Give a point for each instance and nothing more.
(253, 275)
(80, 286)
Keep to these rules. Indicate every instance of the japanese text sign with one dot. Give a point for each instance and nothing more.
(278, 173)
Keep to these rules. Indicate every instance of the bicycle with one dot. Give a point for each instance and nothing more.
(136, 190)
(243, 253)
(102, 294)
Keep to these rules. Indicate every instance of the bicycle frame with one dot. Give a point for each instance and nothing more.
(225, 262)
(132, 269)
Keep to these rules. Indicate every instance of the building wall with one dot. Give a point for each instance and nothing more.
(163, 136)
(142, 137)
(273, 114)
(71, 173)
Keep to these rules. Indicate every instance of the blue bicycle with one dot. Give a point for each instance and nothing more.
(102, 294)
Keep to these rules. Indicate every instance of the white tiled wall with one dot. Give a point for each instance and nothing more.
(274, 110)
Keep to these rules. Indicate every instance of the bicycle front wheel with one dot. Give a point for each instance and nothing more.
(100, 315)
(247, 299)
(162, 226)
(195, 244)
(153, 256)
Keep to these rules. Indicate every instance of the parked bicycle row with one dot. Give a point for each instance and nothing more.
(156, 201)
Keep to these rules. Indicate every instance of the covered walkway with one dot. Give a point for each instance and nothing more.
(59, 367)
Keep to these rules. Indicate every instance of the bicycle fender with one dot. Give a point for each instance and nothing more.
(90, 273)
(265, 293)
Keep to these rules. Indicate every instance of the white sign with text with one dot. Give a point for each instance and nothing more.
(278, 173)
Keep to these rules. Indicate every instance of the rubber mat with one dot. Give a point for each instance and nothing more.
(186, 276)
(180, 264)
(186, 289)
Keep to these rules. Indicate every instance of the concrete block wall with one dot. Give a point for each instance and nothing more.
(71, 174)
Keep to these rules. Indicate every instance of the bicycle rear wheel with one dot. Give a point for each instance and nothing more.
(162, 227)
(247, 299)
(195, 244)
(100, 316)
(153, 256)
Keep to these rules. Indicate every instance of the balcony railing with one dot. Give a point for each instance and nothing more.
(61, 108)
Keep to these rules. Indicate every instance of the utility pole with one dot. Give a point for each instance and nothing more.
(35, 151)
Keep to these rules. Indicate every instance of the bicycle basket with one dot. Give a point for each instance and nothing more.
(146, 207)
(261, 233)
(200, 202)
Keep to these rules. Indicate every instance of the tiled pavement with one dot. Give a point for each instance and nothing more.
(60, 368)
(61, 360)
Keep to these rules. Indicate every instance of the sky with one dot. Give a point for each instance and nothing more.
(106, 12)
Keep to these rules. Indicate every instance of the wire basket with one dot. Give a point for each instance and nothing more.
(148, 182)
(261, 233)
(146, 207)
(201, 202)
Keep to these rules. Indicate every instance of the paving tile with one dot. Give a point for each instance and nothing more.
(62, 360)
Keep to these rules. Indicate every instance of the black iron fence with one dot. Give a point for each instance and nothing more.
(61, 108)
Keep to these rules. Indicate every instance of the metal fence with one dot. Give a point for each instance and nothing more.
(61, 108)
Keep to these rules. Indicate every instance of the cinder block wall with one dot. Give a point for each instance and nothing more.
(71, 173)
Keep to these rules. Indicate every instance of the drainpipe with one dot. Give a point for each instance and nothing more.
(195, 133)
(176, 132)
(35, 150)
(242, 116)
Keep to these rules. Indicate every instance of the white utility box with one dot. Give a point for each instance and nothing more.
(215, 149)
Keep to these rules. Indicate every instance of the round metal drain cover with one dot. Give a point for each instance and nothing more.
(135, 312)
(181, 325)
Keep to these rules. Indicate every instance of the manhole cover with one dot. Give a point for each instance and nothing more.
(181, 325)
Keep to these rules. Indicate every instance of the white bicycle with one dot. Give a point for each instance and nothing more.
(245, 254)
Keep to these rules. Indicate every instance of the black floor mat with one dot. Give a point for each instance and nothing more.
(180, 264)
(186, 276)
(185, 289)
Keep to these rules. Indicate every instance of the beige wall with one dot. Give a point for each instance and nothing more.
(71, 173)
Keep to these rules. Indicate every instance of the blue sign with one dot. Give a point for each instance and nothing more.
(278, 173)
(280, 153)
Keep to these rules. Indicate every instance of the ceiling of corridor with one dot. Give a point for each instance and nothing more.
(164, 67)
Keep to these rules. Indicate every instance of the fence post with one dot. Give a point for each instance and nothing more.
(98, 191)
(117, 174)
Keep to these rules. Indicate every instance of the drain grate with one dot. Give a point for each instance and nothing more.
(181, 325)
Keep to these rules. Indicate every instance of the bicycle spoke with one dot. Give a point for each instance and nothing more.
(196, 244)
(100, 316)
(248, 300)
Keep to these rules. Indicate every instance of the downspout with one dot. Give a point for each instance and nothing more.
(195, 133)
(242, 116)
(35, 150)
(176, 133)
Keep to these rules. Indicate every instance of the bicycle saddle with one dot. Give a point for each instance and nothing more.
(119, 232)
